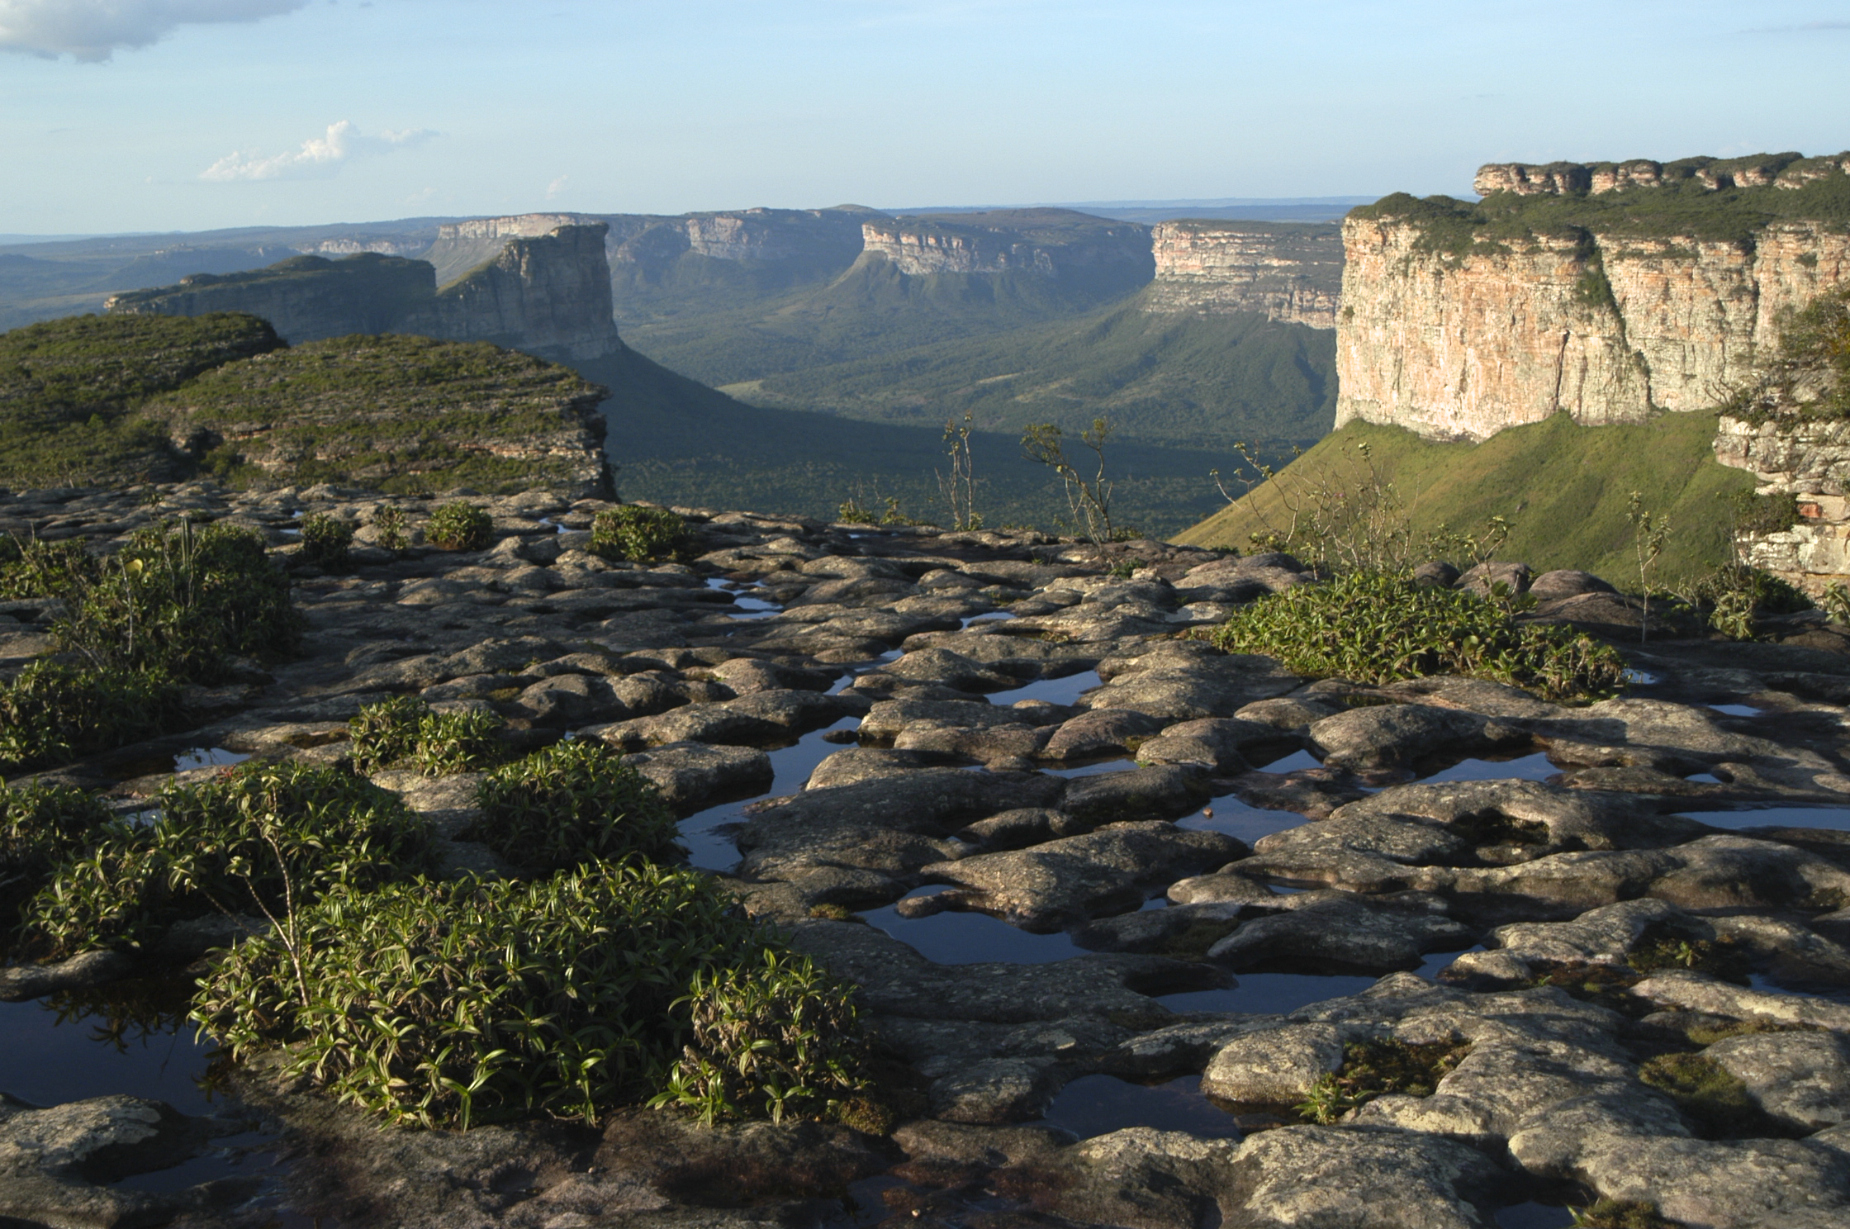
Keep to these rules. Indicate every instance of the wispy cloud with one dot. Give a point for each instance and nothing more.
(94, 30)
(318, 158)
(557, 186)
(1808, 27)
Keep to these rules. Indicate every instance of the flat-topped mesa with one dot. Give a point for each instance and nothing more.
(649, 243)
(531, 283)
(549, 294)
(1786, 170)
(1052, 243)
(1288, 271)
(1607, 304)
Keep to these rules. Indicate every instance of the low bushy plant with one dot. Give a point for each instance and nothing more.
(404, 730)
(642, 535)
(1380, 1067)
(385, 732)
(778, 1037)
(40, 827)
(389, 527)
(325, 541)
(571, 803)
(1735, 596)
(264, 840)
(1381, 627)
(459, 526)
(469, 1001)
(31, 568)
(179, 600)
(51, 713)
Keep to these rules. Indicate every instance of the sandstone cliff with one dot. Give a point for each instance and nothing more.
(1049, 243)
(1286, 271)
(545, 288)
(645, 248)
(1458, 321)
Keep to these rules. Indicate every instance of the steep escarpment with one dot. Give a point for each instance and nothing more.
(1604, 292)
(1050, 243)
(539, 286)
(1286, 271)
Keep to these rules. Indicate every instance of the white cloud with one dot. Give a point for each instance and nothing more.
(318, 158)
(93, 30)
(557, 186)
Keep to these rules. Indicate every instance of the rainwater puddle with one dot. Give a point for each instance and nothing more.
(1534, 1216)
(713, 850)
(206, 757)
(969, 938)
(1064, 690)
(1099, 1104)
(1429, 967)
(993, 616)
(238, 1156)
(1524, 768)
(1704, 778)
(48, 1063)
(1295, 762)
(1639, 678)
(1269, 993)
(1738, 710)
(1231, 817)
(1120, 764)
(1836, 819)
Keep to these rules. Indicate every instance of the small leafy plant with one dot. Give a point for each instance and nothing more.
(403, 729)
(325, 541)
(1088, 499)
(1618, 1214)
(571, 803)
(263, 841)
(1378, 1067)
(388, 523)
(459, 526)
(469, 1001)
(40, 826)
(769, 1039)
(642, 535)
(1381, 627)
(51, 713)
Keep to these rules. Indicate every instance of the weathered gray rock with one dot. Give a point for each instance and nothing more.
(1334, 929)
(1401, 735)
(691, 774)
(1111, 870)
(1303, 1176)
(1100, 732)
(1166, 791)
(1800, 1079)
(1213, 744)
(1182, 680)
(81, 972)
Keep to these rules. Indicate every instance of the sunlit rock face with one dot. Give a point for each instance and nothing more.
(1288, 271)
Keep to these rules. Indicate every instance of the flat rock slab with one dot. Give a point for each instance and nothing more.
(1108, 871)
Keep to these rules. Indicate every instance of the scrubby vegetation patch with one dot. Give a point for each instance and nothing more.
(1379, 1067)
(449, 1004)
(1381, 627)
(570, 803)
(405, 730)
(459, 526)
(642, 535)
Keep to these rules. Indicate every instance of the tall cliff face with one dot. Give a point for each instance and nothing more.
(1459, 321)
(645, 248)
(547, 293)
(1050, 243)
(1288, 272)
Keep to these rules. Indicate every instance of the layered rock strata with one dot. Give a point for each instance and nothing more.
(1621, 904)
(1458, 339)
(1290, 273)
(539, 287)
(1050, 243)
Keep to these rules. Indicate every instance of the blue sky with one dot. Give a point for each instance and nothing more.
(190, 114)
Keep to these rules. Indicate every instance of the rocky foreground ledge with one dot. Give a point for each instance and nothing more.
(1647, 1002)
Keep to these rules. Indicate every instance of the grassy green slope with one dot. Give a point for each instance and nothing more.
(674, 440)
(1565, 486)
(872, 309)
(1195, 381)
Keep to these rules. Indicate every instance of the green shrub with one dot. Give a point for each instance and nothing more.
(389, 527)
(640, 534)
(457, 742)
(769, 1039)
(405, 730)
(52, 713)
(1380, 1067)
(40, 827)
(266, 839)
(459, 526)
(472, 1001)
(325, 541)
(1735, 596)
(179, 600)
(1381, 627)
(571, 803)
(43, 569)
(384, 733)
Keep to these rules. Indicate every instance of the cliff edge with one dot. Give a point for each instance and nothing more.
(1287, 271)
(1603, 291)
(540, 285)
